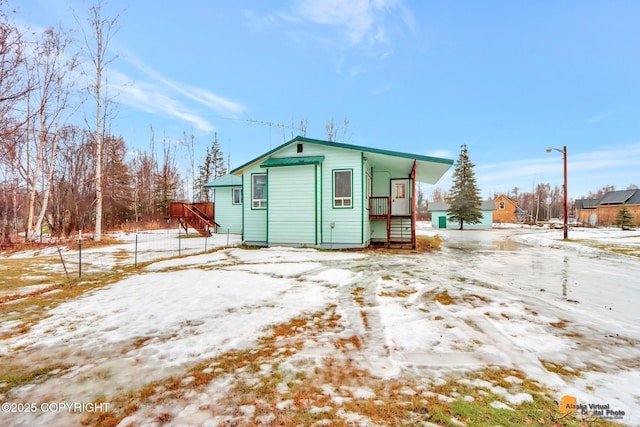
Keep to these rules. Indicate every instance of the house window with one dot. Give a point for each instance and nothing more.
(299, 148)
(237, 196)
(259, 191)
(342, 189)
(501, 205)
(400, 191)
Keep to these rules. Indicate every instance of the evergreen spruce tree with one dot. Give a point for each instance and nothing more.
(624, 219)
(464, 201)
(212, 167)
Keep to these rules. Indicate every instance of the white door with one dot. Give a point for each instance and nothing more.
(400, 197)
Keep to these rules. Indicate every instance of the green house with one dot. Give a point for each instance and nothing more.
(439, 217)
(315, 193)
(227, 201)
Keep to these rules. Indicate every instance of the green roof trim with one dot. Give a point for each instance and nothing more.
(225, 181)
(348, 147)
(291, 161)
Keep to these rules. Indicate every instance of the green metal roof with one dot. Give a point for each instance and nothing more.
(225, 181)
(292, 161)
(429, 169)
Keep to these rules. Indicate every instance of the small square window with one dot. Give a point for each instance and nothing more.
(237, 196)
(501, 205)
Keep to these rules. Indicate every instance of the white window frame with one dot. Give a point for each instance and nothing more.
(343, 201)
(238, 191)
(255, 202)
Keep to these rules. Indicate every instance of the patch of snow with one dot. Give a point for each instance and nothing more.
(512, 306)
(499, 405)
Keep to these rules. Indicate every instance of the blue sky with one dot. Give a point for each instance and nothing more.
(508, 79)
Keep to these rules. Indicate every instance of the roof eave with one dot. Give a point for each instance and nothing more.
(446, 163)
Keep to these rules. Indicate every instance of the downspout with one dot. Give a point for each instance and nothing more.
(267, 212)
(315, 200)
(321, 208)
(362, 198)
(243, 206)
(414, 205)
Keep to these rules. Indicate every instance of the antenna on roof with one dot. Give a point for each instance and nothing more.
(302, 129)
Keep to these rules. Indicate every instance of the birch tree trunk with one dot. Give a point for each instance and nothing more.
(97, 44)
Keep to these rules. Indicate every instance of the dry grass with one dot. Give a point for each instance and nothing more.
(358, 295)
(14, 375)
(559, 369)
(444, 298)
(283, 389)
(398, 293)
(621, 248)
(30, 308)
(441, 297)
(560, 324)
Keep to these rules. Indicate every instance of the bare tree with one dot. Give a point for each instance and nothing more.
(144, 169)
(73, 192)
(52, 90)
(189, 143)
(439, 195)
(542, 198)
(97, 43)
(338, 132)
(14, 86)
(601, 192)
(167, 180)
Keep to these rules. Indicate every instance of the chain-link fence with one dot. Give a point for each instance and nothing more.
(84, 256)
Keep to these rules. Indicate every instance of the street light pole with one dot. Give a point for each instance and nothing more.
(565, 225)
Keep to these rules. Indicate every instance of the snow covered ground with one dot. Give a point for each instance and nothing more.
(515, 298)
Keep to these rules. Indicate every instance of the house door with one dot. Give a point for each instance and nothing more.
(442, 222)
(400, 197)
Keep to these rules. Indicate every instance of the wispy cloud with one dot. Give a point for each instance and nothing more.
(600, 117)
(340, 26)
(587, 171)
(158, 94)
(358, 22)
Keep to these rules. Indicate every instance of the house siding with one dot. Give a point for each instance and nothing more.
(292, 205)
(255, 220)
(603, 211)
(351, 225)
(486, 221)
(348, 221)
(228, 215)
(606, 215)
(506, 214)
(300, 204)
(350, 229)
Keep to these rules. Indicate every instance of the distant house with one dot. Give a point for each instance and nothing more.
(227, 199)
(316, 193)
(587, 211)
(439, 215)
(603, 211)
(508, 211)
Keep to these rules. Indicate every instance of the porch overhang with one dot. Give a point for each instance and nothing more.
(428, 169)
(225, 181)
